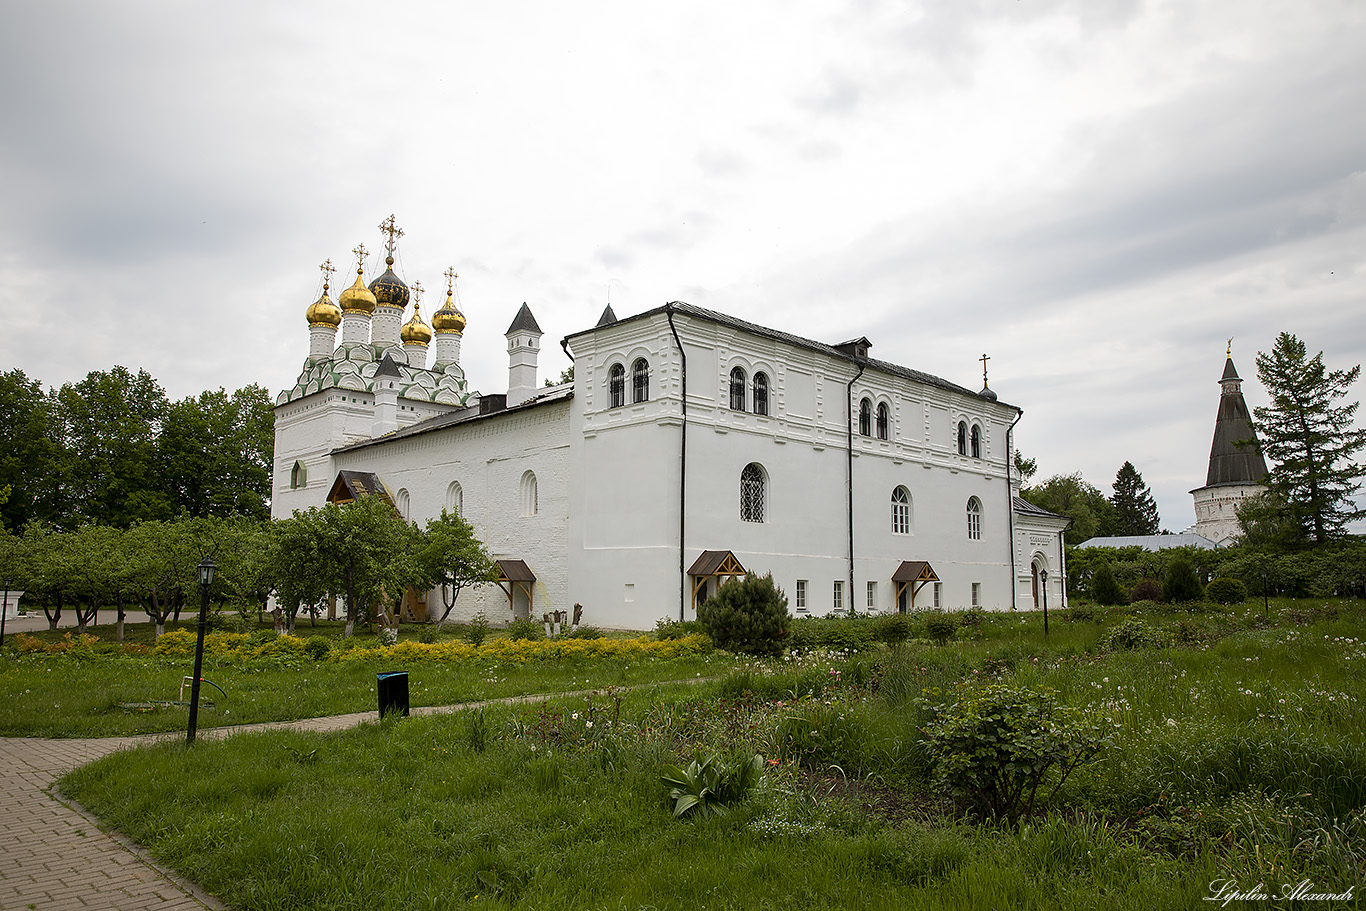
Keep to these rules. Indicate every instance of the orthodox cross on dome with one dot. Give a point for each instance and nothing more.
(389, 227)
(451, 276)
(327, 270)
(361, 253)
(984, 360)
(417, 293)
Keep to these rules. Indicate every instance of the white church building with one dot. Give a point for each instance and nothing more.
(690, 446)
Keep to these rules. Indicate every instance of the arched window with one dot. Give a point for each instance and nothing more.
(974, 519)
(865, 417)
(530, 504)
(962, 438)
(403, 502)
(901, 511)
(761, 393)
(616, 386)
(455, 499)
(976, 442)
(752, 493)
(640, 381)
(298, 476)
(884, 421)
(737, 389)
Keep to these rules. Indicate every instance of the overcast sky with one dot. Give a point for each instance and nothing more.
(1097, 194)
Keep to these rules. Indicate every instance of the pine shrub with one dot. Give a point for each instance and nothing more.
(1146, 590)
(1104, 589)
(1181, 584)
(747, 616)
(525, 628)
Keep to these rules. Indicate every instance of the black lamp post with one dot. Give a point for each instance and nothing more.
(1043, 574)
(4, 610)
(206, 570)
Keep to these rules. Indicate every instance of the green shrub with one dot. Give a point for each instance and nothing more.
(1104, 589)
(1079, 613)
(1135, 633)
(584, 632)
(997, 746)
(1146, 590)
(428, 633)
(478, 630)
(677, 629)
(940, 627)
(847, 634)
(525, 628)
(1226, 591)
(747, 616)
(317, 647)
(1181, 584)
(893, 629)
(972, 618)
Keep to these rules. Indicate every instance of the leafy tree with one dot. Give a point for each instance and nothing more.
(110, 422)
(1135, 508)
(566, 376)
(1091, 513)
(1308, 435)
(1268, 523)
(1026, 468)
(215, 453)
(450, 556)
(30, 460)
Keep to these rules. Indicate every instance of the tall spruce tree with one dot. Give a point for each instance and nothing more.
(1135, 508)
(1307, 433)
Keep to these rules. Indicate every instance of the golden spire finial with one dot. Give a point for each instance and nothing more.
(451, 276)
(1229, 352)
(417, 294)
(388, 226)
(361, 253)
(327, 270)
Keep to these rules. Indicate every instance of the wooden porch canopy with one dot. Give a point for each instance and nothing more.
(515, 575)
(350, 486)
(713, 564)
(912, 575)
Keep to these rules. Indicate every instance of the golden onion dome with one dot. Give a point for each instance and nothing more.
(322, 312)
(415, 331)
(389, 290)
(357, 298)
(448, 318)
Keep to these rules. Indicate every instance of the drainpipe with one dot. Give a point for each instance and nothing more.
(849, 474)
(1010, 507)
(1062, 558)
(682, 465)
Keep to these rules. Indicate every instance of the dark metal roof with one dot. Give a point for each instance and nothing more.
(352, 485)
(524, 321)
(797, 341)
(607, 318)
(387, 367)
(1024, 507)
(1229, 463)
(463, 416)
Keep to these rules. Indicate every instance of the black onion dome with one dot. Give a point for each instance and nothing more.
(389, 290)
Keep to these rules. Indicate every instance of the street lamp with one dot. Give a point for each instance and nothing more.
(4, 609)
(206, 570)
(1043, 574)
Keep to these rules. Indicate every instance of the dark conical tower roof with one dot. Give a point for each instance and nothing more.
(1229, 463)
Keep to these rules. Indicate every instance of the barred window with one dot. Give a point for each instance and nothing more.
(616, 385)
(752, 493)
(962, 438)
(901, 512)
(760, 393)
(737, 389)
(974, 519)
(640, 381)
(976, 442)
(865, 417)
(884, 421)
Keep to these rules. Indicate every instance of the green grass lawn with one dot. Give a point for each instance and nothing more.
(1238, 752)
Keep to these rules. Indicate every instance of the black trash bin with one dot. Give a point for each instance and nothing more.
(393, 692)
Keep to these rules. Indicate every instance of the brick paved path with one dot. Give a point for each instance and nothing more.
(53, 857)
